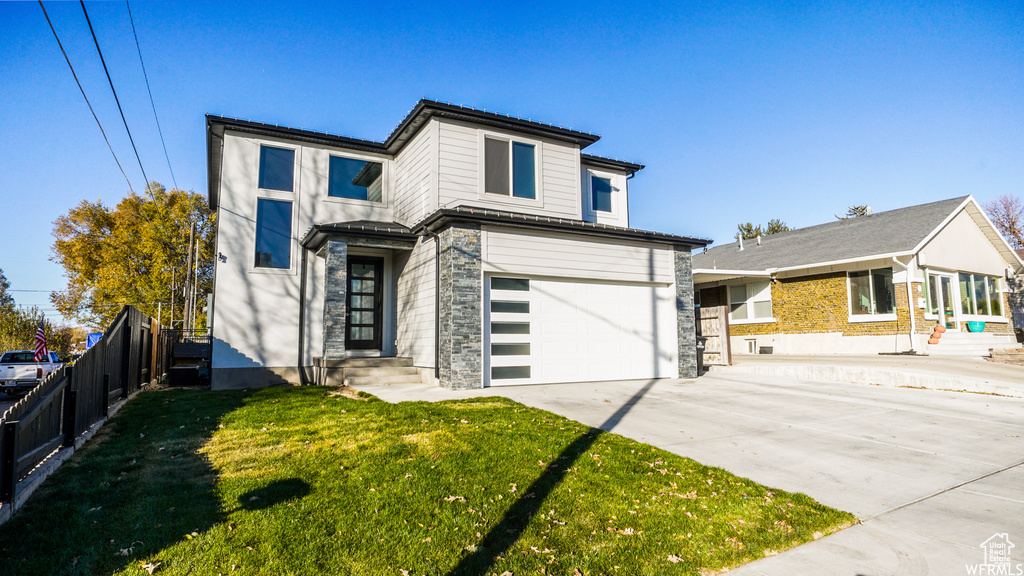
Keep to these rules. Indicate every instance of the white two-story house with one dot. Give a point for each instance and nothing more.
(478, 248)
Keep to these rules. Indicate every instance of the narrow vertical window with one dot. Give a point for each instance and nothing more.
(273, 233)
(276, 168)
(496, 174)
(524, 171)
(601, 194)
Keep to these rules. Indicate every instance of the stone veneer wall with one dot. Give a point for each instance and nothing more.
(460, 346)
(685, 323)
(335, 302)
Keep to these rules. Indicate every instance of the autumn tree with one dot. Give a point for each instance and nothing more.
(130, 254)
(18, 325)
(1007, 213)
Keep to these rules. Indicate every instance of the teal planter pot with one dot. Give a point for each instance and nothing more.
(976, 326)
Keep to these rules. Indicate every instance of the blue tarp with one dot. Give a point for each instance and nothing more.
(92, 339)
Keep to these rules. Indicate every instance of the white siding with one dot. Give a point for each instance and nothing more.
(416, 302)
(565, 256)
(415, 169)
(961, 245)
(460, 167)
(256, 310)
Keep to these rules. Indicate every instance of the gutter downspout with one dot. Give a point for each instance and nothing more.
(910, 302)
(303, 379)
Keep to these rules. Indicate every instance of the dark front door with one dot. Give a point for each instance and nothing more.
(365, 288)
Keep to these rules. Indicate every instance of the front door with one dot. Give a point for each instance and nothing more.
(365, 288)
(941, 293)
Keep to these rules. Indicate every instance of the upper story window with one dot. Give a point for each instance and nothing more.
(980, 295)
(510, 168)
(871, 292)
(750, 302)
(276, 168)
(601, 194)
(355, 179)
(273, 233)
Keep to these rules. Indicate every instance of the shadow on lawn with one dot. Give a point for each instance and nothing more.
(512, 525)
(274, 493)
(141, 486)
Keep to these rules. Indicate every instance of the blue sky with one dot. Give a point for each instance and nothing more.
(741, 112)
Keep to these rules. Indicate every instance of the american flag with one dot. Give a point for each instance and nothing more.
(41, 352)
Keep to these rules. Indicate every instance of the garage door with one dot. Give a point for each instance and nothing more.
(547, 331)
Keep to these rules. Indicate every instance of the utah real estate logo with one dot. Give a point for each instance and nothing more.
(997, 558)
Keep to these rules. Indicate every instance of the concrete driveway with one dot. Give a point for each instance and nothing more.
(931, 474)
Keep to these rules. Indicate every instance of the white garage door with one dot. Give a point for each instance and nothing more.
(545, 331)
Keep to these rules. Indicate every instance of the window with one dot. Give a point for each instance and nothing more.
(980, 295)
(355, 179)
(521, 284)
(601, 194)
(510, 166)
(276, 167)
(871, 292)
(750, 302)
(273, 233)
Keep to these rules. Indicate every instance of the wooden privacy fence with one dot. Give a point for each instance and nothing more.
(714, 327)
(73, 398)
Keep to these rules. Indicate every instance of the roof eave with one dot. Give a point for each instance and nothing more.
(427, 109)
(444, 217)
(610, 164)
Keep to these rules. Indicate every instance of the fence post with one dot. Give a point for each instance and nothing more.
(70, 414)
(9, 464)
(106, 395)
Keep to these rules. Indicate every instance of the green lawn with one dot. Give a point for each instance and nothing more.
(302, 481)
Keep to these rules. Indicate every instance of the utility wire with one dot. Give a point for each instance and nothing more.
(82, 90)
(151, 102)
(111, 82)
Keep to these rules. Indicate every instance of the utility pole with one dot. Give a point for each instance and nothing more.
(188, 276)
(173, 288)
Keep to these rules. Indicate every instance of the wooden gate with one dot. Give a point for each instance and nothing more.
(714, 326)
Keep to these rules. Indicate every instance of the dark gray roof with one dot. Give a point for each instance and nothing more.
(317, 233)
(890, 232)
(420, 114)
(444, 217)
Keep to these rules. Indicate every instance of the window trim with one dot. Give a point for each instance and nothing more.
(994, 318)
(749, 301)
(538, 169)
(873, 317)
(385, 184)
(268, 194)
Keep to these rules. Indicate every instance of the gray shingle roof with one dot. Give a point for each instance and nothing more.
(894, 231)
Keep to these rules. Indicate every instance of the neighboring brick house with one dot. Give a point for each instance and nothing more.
(476, 248)
(841, 287)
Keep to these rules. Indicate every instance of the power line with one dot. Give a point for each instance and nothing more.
(151, 102)
(89, 104)
(111, 82)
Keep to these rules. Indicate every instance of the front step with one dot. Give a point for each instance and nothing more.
(378, 371)
(965, 344)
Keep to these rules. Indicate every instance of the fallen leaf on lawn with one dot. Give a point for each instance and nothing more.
(404, 572)
(674, 559)
(506, 573)
(576, 572)
(471, 547)
(74, 561)
(149, 567)
(454, 499)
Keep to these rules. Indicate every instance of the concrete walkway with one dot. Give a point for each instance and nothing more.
(932, 372)
(932, 474)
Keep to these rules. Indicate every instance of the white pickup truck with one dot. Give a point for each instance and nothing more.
(19, 371)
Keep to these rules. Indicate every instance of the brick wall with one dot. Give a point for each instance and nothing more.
(813, 304)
